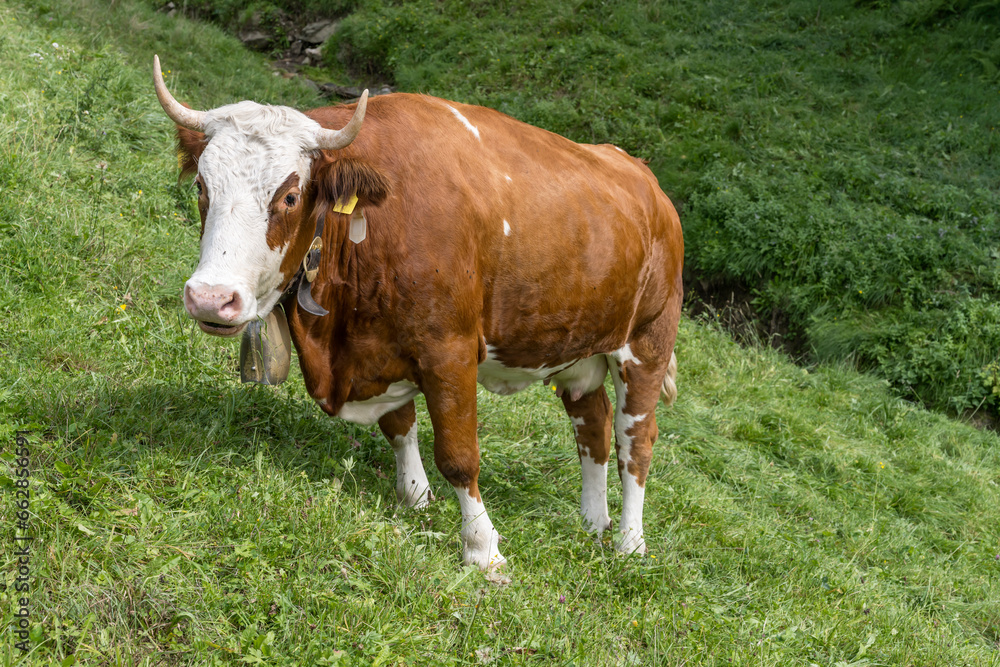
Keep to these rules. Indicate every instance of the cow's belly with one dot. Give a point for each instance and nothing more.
(577, 377)
(369, 411)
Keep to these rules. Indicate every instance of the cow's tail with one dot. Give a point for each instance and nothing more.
(669, 390)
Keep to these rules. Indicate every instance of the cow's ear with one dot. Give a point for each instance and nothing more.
(339, 180)
(190, 144)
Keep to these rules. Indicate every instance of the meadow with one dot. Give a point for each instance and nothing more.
(835, 160)
(796, 515)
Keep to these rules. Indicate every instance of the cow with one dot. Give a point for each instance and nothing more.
(456, 245)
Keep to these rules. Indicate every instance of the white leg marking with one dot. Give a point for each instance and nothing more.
(577, 422)
(630, 534)
(480, 540)
(630, 537)
(594, 500)
(506, 228)
(412, 487)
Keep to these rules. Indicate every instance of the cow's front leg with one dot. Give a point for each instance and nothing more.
(449, 383)
(400, 428)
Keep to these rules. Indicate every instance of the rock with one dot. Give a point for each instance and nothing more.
(256, 40)
(343, 92)
(315, 54)
(318, 31)
(311, 84)
(296, 48)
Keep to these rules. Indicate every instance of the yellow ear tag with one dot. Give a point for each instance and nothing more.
(346, 208)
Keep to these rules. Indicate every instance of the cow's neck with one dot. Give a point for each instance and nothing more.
(350, 354)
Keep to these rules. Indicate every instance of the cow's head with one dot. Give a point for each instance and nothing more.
(258, 168)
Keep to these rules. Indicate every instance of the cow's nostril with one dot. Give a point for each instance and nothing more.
(232, 307)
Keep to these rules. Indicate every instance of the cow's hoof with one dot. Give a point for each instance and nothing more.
(597, 524)
(484, 556)
(631, 542)
(415, 501)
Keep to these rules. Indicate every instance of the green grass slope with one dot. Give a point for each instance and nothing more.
(793, 517)
(836, 161)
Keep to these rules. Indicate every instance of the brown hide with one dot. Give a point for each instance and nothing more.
(594, 252)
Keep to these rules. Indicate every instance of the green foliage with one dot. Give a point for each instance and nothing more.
(234, 14)
(794, 516)
(837, 163)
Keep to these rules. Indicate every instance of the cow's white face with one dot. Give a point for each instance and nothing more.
(251, 176)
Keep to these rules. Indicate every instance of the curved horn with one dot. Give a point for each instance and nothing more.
(336, 139)
(180, 114)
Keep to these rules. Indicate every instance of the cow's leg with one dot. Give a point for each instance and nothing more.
(591, 418)
(449, 383)
(400, 428)
(639, 380)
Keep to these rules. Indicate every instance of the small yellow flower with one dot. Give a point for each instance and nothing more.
(635, 623)
(123, 306)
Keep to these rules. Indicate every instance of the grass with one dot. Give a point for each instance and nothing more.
(794, 517)
(836, 161)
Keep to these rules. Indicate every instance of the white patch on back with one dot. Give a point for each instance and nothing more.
(506, 228)
(509, 180)
(619, 150)
(369, 411)
(465, 121)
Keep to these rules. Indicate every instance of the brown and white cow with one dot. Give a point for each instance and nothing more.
(496, 253)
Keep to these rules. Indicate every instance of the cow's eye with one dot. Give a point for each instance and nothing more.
(197, 184)
(290, 200)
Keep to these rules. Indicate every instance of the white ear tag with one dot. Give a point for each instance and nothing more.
(359, 226)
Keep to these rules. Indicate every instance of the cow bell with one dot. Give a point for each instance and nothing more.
(266, 349)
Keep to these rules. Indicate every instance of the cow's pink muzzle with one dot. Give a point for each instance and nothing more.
(218, 308)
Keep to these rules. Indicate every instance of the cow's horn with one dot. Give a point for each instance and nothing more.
(180, 114)
(335, 139)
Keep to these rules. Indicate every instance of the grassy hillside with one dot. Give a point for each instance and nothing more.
(836, 161)
(794, 517)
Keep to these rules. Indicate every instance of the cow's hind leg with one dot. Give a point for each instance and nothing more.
(400, 428)
(638, 370)
(591, 418)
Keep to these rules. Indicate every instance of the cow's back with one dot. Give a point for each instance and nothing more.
(543, 243)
